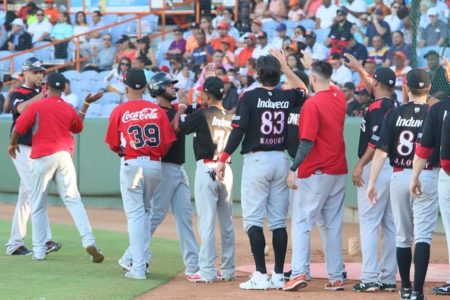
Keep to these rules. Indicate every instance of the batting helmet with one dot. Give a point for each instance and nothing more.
(158, 82)
(33, 64)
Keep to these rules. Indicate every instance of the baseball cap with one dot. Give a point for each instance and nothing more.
(418, 79)
(56, 81)
(225, 79)
(225, 41)
(294, 46)
(281, 27)
(18, 22)
(349, 86)
(293, 2)
(49, 1)
(123, 38)
(385, 76)
(33, 64)
(164, 69)
(257, 22)
(214, 86)
(433, 11)
(220, 8)
(400, 54)
(310, 33)
(431, 52)
(135, 79)
(342, 11)
(261, 35)
(250, 35)
(195, 26)
(222, 25)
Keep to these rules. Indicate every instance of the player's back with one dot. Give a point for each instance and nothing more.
(219, 125)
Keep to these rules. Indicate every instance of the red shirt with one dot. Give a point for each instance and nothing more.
(244, 56)
(141, 128)
(53, 121)
(217, 42)
(322, 122)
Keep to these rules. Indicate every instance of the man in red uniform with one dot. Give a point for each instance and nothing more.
(140, 132)
(53, 122)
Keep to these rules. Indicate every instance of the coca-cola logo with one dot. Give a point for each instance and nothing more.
(144, 114)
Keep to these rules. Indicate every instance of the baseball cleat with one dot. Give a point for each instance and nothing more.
(296, 283)
(198, 278)
(334, 285)
(388, 287)
(95, 253)
(287, 276)
(125, 266)
(220, 276)
(366, 287)
(52, 246)
(38, 258)
(405, 293)
(257, 281)
(442, 290)
(132, 275)
(277, 281)
(417, 296)
(22, 251)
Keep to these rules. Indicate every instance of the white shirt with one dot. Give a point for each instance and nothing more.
(72, 99)
(399, 81)
(79, 29)
(37, 29)
(342, 75)
(261, 51)
(277, 43)
(359, 6)
(318, 51)
(326, 15)
(394, 22)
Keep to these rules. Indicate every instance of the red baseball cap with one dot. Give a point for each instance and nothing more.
(222, 25)
(225, 79)
(220, 8)
(164, 69)
(400, 54)
(257, 22)
(250, 35)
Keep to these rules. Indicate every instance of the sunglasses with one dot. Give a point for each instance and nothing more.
(107, 39)
(38, 72)
(396, 7)
(125, 64)
(40, 15)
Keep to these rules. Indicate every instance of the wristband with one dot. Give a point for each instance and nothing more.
(85, 103)
(224, 157)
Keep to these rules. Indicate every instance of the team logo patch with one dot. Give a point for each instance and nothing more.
(58, 83)
(416, 110)
(37, 64)
(421, 84)
(391, 81)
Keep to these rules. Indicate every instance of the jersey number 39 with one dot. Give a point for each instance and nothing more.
(147, 135)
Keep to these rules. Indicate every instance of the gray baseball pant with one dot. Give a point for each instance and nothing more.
(444, 205)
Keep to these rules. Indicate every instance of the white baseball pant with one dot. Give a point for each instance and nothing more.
(444, 205)
(23, 206)
(59, 167)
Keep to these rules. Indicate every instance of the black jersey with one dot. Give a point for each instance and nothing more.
(212, 127)
(263, 115)
(372, 122)
(176, 153)
(445, 141)
(17, 97)
(292, 124)
(431, 134)
(401, 130)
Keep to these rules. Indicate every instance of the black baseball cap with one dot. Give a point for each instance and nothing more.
(261, 35)
(123, 38)
(341, 10)
(56, 81)
(33, 64)
(431, 52)
(349, 86)
(135, 79)
(214, 86)
(385, 76)
(418, 79)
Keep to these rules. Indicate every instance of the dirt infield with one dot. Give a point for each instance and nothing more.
(179, 288)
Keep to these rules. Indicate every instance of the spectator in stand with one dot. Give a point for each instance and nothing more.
(228, 18)
(60, 31)
(19, 39)
(341, 74)
(251, 67)
(325, 14)
(439, 83)
(81, 25)
(115, 79)
(277, 42)
(145, 51)
(228, 55)
(40, 30)
(299, 34)
(355, 9)
(393, 20)
(407, 27)
(349, 91)
(358, 50)
(244, 23)
(126, 48)
(191, 41)
(14, 84)
(178, 45)
(442, 7)
(398, 44)
(436, 32)
(369, 66)
(51, 12)
(31, 15)
(176, 65)
(294, 63)
(96, 37)
(378, 51)
(401, 69)
(378, 27)
(217, 60)
(359, 106)
(219, 16)
(317, 50)
(216, 43)
(101, 58)
(259, 10)
(230, 96)
(277, 10)
(380, 9)
(232, 77)
(262, 45)
(206, 26)
(185, 79)
(201, 55)
(3, 36)
(256, 27)
(341, 27)
(247, 83)
(23, 11)
(68, 96)
(247, 52)
(139, 63)
(360, 31)
(295, 13)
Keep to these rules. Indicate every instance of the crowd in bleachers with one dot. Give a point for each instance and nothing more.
(378, 34)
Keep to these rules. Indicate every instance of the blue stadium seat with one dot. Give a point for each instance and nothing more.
(109, 98)
(163, 46)
(149, 24)
(322, 35)
(5, 65)
(19, 61)
(308, 24)
(44, 54)
(270, 28)
(73, 76)
(110, 18)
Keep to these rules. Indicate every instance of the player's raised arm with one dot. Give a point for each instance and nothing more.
(354, 64)
(293, 80)
(88, 101)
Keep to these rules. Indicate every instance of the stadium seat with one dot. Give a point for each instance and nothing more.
(45, 54)
(270, 28)
(149, 24)
(109, 98)
(163, 46)
(94, 110)
(107, 109)
(308, 24)
(72, 75)
(19, 61)
(290, 25)
(110, 18)
(132, 25)
(322, 35)
(5, 65)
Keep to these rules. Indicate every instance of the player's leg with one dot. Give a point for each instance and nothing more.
(182, 211)
(425, 211)
(225, 216)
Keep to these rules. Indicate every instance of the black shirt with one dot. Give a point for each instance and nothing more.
(20, 95)
(212, 127)
(402, 128)
(372, 122)
(263, 115)
(231, 99)
(338, 32)
(176, 154)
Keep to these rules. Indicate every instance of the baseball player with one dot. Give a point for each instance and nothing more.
(174, 192)
(321, 179)
(261, 120)
(212, 127)
(21, 98)
(377, 274)
(414, 217)
(140, 132)
(53, 122)
(427, 151)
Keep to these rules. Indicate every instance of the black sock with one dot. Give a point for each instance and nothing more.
(258, 243)
(404, 257)
(279, 243)
(421, 259)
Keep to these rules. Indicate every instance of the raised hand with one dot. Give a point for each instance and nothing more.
(307, 59)
(352, 63)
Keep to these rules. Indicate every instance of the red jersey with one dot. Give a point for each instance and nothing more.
(140, 128)
(322, 122)
(244, 56)
(53, 121)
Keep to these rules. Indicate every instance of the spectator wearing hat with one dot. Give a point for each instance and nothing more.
(398, 44)
(51, 11)
(378, 27)
(440, 88)
(360, 104)
(436, 32)
(126, 48)
(256, 27)
(41, 29)
(355, 8)
(442, 7)
(259, 9)
(247, 52)
(262, 47)
(295, 13)
(228, 55)
(216, 43)
(341, 28)
(219, 16)
(317, 50)
(277, 42)
(358, 50)
(230, 95)
(19, 39)
(325, 14)
(393, 20)
(401, 69)
(349, 91)
(178, 45)
(191, 41)
(101, 58)
(277, 10)
(378, 51)
(202, 54)
(341, 74)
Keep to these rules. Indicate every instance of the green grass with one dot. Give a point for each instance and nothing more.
(70, 274)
